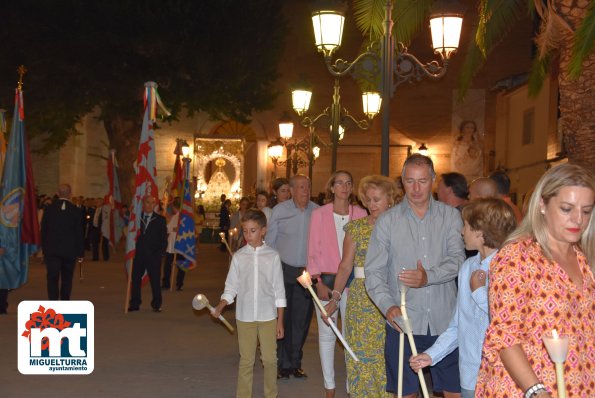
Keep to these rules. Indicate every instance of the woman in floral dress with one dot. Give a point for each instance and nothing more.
(364, 324)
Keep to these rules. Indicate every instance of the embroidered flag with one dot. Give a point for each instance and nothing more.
(19, 228)
(146, 170)
(185, 244)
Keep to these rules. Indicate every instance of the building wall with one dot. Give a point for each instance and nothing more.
(526, 162)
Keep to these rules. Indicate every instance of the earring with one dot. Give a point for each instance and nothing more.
(542, 211)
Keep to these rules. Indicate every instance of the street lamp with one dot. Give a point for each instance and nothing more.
(338, 117)
(185, 149)
(275, 151)
(446, 30)
(328, 32)
(293, 146)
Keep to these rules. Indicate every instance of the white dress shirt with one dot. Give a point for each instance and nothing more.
(256, 278)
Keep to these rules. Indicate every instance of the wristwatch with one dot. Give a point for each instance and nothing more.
(534, 390)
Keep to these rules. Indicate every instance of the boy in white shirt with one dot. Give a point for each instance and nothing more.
(256, 278)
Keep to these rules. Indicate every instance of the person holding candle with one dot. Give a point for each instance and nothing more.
(487, 223)
(288, 233)
(417, 243)
(364, 323)
(256, 278)
(539, 281)
(325, 249)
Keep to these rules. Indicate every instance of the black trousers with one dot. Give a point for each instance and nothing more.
(296, 320)
(167, 270)
(3, 301)
(59, 276)
(94, 240)
(105, 248)
(153, 268)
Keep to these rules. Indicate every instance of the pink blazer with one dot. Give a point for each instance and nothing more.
(323, 248)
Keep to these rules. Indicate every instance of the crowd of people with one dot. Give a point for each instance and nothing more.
(483, 282)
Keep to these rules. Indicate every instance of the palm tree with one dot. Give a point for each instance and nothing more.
(564, 42)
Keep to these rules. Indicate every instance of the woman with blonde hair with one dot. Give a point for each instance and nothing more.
(325, 249)
(540, 281)
(364, 323)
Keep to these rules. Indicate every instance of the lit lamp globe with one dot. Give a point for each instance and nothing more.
(328, 30)
(316, 152)
(423, 149)
(285, 128)
(186, 151)
(371, 101)
(340, 131)
(300, 100)
(275, 150)
(446, 32)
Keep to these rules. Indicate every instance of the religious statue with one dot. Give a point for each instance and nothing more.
(219, 182)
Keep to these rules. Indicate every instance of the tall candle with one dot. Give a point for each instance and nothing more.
(306, 281)
(557, 348)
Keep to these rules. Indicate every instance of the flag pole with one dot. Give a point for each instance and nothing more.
(146, 176)
(128, 286)
(171, 278)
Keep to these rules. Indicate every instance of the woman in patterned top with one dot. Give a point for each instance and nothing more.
(539, 281)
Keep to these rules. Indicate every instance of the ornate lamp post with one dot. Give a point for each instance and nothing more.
(328, 30)
(446, 31)
(294, 147)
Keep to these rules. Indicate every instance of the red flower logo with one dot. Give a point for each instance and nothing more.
(43, 319)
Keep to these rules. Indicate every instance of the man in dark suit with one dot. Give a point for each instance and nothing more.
(62, 243)
(150, 248)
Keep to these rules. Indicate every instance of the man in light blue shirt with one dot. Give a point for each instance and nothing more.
(487, 222)
(418, 243)
(288, 234)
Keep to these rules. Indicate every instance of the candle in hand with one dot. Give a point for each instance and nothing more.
(557, 346)
(306, 281)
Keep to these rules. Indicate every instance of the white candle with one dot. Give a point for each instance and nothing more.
(222, 236)
(200, 301)
(557, 348)
(409, 332)
(306, 281)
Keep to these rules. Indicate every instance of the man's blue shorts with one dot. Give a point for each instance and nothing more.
(445, 374)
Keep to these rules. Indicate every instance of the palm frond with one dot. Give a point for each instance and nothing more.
(583, 43)
(409, 17)
(496, 19)
(552, 30)
(474, 60)
(539, 72)
(369, 15)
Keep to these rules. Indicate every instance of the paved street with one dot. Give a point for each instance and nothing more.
(175, 353)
